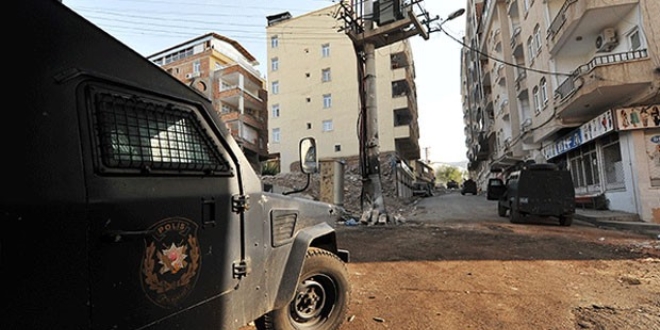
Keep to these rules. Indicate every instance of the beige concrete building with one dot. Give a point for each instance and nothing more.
(570, 82)
(226, 73)
(313, 90)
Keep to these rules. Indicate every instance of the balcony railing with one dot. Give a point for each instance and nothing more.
(568, 87)
(560, 19)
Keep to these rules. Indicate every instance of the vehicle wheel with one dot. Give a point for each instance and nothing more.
(321, 299)
(514, 216)
(501, 210)
(565, 220)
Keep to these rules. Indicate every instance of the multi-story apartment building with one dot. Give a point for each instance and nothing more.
(313, 88)
(226, 73)
(571, 82)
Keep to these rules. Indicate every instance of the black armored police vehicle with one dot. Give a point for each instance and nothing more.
(126, 204)
(541, 189)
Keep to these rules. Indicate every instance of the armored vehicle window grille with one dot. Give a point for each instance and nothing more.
(146, 136)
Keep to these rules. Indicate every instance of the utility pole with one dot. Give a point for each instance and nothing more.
(396, 21)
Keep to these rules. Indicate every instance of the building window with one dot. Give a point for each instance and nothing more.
(398, 60)
(327, 101)
(327, 125)
(402, 117)
(576, 170)
(544, 92)
(226, 108)
(274, 64)
(307, 75)
(584, 168)
(634, 39)
(325, 75)
(276, 135)
(613, 163)
(275, 110)
(537, 99)
(400, 88)
(309, 100)
(537, 39)
(275, 87)
(178, 56)
(325, 50)
(309, 125)
(197, 67)
(337, 147)
(530, 50)
(526, 5)
(274, 42)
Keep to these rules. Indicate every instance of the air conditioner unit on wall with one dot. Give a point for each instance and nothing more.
(606, 40)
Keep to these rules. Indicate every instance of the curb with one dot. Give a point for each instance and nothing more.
(645, 228)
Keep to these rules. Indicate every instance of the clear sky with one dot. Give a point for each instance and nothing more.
(149, 26)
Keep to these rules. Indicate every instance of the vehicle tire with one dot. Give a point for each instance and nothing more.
(501, 210)
(321, 299)
(514, 216)
(565, 220)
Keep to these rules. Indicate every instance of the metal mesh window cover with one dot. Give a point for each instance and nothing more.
(138, 135)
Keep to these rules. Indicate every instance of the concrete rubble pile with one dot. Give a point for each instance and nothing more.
(398, 208)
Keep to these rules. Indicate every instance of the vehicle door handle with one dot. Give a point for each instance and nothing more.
(208, 212)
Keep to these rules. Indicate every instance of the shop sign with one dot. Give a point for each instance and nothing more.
(597, 127)
(653, 153)
(587, 132)
(641, 117)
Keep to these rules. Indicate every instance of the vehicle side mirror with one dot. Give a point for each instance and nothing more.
(308, 158)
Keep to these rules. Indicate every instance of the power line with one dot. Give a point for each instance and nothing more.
(224, 5)
(328, 32)
(503, 61)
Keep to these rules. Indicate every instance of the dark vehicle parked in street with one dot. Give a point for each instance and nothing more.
(127, 204)
(469, 187)
(423, 189)
(451, 184)
(536, 190)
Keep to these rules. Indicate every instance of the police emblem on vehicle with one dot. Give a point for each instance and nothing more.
(171, 262)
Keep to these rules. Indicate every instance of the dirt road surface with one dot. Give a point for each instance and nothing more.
(454, 264)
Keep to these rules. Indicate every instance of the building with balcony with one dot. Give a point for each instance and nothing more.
(225, 72)
(314, 91)
(581, 83)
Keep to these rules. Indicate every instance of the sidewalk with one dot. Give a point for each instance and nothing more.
(618, 220)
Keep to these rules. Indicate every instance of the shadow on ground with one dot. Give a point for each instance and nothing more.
(491, 241)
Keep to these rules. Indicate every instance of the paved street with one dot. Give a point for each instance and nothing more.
(452, 206)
